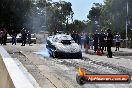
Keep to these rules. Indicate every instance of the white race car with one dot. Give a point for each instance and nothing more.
(63, 46)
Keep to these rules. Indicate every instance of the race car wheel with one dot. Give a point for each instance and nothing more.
(49, 52)
(80, 80)
(53, 54)
(50, 55)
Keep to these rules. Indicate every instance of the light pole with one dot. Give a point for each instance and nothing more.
(127, 25)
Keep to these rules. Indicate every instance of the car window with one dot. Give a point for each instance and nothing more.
(66, 38)
(54, 39)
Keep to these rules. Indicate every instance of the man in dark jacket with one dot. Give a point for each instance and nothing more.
(24, 37)
(109, 43)
(95, 43)
(79, 39)
(102, 41)
(14, 34)
(76, 37)
(4, 36)
(29, 37)
(1, 37)
(73, 35)
(86, 42)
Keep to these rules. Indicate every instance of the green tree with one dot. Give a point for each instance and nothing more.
(13, 13)
(114, 15)
(78, 26)
(94, 15)
(58, 15)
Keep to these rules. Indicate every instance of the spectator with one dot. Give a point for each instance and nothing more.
(14, 34)
(24, 37)
(105, 41)
(109, 43)
(79, 39)
(2, 43)
(86, 43)
(90, 41)
(82, 39)
(1, 39)
(95, 39)
(117, 40)
(29, 37)
(102, 41)
(76, 37)
(73, 35)
(4, 36)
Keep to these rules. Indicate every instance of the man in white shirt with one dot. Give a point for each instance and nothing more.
(117, 40)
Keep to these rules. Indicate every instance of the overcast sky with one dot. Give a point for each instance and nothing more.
(81, 7)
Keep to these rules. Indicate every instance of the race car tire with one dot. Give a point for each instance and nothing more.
(54, 54)
(81, 80)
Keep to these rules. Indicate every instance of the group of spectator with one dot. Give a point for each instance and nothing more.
(98, 40)
(3, 36)
(76, 37)
(24, 36)
(90, 41)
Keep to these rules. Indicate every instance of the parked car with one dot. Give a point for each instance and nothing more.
(63, 46)
(9, 38)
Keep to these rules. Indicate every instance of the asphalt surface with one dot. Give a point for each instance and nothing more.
(61, 73)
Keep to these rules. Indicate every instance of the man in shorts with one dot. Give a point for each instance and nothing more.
(117, 40)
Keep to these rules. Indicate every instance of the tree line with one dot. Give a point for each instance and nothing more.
(18, 14)
(112, 14)
(13, 14)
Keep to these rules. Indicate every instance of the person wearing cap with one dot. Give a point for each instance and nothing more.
(109, 43)
(117, 40)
